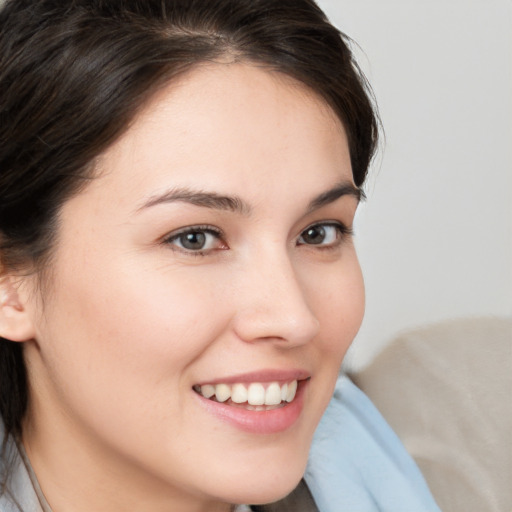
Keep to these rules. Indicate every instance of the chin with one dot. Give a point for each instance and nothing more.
(268, 486)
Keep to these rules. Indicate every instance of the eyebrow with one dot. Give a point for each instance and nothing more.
(215, 201)
(210, 200)
(344, 188)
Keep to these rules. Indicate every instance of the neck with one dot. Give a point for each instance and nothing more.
(76, 476)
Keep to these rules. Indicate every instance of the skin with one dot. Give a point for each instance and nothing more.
(132, 320)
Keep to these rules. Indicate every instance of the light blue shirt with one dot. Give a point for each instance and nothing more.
(358, 464)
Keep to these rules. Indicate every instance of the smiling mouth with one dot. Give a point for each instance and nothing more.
(255, 396)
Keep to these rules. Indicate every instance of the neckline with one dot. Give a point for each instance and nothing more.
(45, 507)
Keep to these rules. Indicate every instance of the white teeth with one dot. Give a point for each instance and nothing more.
(256, 408)
(208, 390)
(222, 392)
(284, 392)
(255, 395)
(273, 394)
(292, 389)
(239, 394)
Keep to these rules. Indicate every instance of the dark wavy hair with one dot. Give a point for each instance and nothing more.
(74, 73)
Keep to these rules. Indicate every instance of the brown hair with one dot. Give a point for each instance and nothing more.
(73, 74)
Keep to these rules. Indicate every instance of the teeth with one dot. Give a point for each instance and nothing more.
(239, 394)
(255, 395)
(222, 392)
(256, 408)
(292, 389)
(284, 392)
(273, 394)
(208, 391)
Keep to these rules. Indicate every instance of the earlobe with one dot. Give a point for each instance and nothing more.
(15, 322)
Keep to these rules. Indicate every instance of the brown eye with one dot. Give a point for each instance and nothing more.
(314, 235)
(195, 239)
(324, 235)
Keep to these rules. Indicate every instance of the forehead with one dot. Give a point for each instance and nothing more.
(229, 122)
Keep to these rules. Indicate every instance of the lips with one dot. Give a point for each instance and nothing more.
(253, 395)
(266, 402)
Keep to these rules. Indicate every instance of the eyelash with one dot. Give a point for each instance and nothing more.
(343, 232)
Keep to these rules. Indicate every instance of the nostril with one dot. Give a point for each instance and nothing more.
(271, 303)
(276, 325)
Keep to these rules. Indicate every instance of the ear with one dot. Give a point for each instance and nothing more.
(15, 322)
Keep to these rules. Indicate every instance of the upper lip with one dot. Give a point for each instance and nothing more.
(270, 375)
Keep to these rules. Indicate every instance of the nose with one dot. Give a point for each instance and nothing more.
(272, 304)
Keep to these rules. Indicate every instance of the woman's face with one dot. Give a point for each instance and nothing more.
(212, 254)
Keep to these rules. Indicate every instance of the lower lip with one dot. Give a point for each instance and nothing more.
(259, 422)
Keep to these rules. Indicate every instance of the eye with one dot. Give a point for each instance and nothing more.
(196, 239)
(326, 234)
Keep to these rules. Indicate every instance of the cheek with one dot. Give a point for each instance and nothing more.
(128, 332)
(339, 306)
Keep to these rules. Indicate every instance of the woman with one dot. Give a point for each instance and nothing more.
(178, 283)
